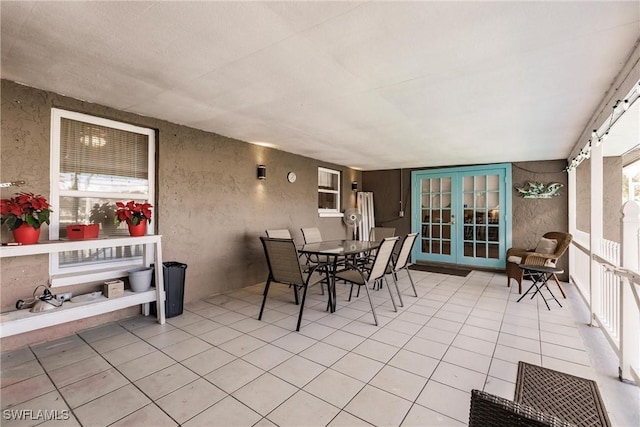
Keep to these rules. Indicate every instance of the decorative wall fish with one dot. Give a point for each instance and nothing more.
(538, 190)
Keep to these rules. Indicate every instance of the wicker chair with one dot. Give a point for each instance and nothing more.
(516, 256)
(488, 410)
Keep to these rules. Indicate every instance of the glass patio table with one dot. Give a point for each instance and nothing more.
(334, 250)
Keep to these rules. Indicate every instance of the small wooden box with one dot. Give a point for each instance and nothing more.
(113, 288)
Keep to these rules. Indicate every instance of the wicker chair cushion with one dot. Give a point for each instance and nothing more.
(546, 246)
(518, 260)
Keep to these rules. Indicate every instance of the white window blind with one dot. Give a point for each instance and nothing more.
(96, 162)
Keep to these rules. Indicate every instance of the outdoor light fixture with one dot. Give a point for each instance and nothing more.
(354, 186)
(262, 172)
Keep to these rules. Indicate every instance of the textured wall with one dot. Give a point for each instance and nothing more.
(210, 207)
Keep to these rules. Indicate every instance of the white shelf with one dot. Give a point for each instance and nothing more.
(20, 321)
(50, 246)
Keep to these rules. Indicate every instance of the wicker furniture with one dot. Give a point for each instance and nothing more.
(516, 256)
(543, 397)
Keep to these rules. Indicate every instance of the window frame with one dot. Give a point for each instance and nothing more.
(331, 212)
(61, 276)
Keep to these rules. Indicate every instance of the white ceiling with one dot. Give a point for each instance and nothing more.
(372, 85)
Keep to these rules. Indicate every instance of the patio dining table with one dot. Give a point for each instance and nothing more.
(335, 250)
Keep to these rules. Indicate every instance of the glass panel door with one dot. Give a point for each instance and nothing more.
(481, 218)
(459, 214)
(437, 218)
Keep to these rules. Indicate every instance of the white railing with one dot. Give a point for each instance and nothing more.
(613, 295)
(608, 312)
(580, 263)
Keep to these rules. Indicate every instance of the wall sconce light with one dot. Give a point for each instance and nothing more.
(262, 172)
(354, 186)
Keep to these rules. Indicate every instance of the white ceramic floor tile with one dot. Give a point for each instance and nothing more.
(208, 360)
(234, 375)
(399, 382)
(78, 371)
(149, 415)
(25, 390)
(242, 345)
(345, 419)
(458, 377)
(323, 353)
(165, 381)
(378, 407)
(116, 341)
(16, 373)
(265, 393)
(188, 401)
(426, 347)
(185, 349)
(414, 362)
(128, 353)
(439, 397)
(303, 409)
(468, 359)
(376, 350)
(90, 388)
(267, 357)
(526, 344)
(474, 344)
(145, 365)
(419, 416)
(565, 353)
(127, 399)
(225, 413)
(503, 370)
(298, 370)
(359, 367)
(334, 387)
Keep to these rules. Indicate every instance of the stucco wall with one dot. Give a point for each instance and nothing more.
(210, 208)
(612, 196)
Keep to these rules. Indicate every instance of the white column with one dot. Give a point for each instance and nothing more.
(573, 213)
(596, 229)
(629, 309)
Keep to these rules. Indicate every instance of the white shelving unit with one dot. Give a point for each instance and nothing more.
(20, 321)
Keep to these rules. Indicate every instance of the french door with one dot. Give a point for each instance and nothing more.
(462, 214)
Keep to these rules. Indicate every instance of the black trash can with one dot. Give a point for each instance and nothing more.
(174, 274)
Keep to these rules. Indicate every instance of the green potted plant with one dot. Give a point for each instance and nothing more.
(136, 215)
(24, 214)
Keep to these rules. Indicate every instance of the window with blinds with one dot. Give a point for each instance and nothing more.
(328, 191)
(95, 163)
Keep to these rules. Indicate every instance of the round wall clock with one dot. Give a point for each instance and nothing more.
(291, 177)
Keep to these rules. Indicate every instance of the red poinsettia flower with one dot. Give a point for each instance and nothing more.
(133, 212)
(25, 207)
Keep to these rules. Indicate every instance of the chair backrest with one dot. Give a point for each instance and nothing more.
(563, 239)
(383, 255)
(405, 251)
(282, 258)
(279, 233)
(379, 233)
(311, 235)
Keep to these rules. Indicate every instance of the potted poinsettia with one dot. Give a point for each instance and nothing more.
(24, 214)
(135, 214)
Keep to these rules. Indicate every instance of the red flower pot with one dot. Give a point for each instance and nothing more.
(137, 230)
(26, 234)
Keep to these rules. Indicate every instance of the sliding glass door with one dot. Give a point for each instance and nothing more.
(462, 214)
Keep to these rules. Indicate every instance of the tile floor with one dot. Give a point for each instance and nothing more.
(216, 365)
